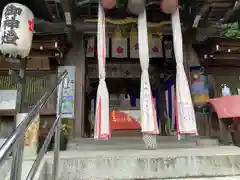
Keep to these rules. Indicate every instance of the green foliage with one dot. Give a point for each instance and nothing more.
(231, 30)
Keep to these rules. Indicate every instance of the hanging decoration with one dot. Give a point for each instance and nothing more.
(148, 113)
(155, 48)
(168, 48)
(185, 112)
(169, 6)
(102, 127)
(17, 26)
(108, 4)
(134, 50)
(136, 6)
(90, 50)
(119, 45)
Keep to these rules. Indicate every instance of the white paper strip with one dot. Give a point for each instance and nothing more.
(102, 128)
(148, 112)
(186, 115)
(90, 47)
(155, 49)
(119, 48)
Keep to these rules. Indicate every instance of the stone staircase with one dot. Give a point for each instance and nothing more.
(126, 159)
(163, 142)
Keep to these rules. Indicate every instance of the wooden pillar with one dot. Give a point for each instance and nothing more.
(162, 104)
(76, 57)
(20, 88)
(225, 135)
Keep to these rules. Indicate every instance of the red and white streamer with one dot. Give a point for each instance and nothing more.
(186, 119)
(102, 127)
(148, 111)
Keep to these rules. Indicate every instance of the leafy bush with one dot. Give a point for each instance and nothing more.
(231, 30)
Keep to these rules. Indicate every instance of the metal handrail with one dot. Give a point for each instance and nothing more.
(15, 143)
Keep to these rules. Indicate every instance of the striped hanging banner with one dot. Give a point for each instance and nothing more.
(186, 119)
(102, 125)
(148, 112)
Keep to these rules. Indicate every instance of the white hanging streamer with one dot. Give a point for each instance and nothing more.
(148, 112)
(186, 116)
(102, 127)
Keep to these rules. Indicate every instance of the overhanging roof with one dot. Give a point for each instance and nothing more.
(38, 7)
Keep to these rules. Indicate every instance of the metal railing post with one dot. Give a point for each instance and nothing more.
(15, 142)
(57, 135)
(17, 160)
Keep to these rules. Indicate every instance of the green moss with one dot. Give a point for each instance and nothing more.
(231, 30)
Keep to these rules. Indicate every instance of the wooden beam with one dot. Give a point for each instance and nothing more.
(232, 15)
(204, 9)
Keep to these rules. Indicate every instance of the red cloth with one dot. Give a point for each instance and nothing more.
(122, 121)
(226, 107)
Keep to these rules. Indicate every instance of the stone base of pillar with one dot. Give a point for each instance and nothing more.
(150, 140)
(225, 134)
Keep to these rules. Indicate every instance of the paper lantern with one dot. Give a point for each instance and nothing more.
(108, 4)
(169, 6)
(136, 6)
(17, 28)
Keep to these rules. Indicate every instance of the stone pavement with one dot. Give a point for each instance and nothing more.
(212, 178)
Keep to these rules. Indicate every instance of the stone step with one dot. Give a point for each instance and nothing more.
(211, 178)
(137, 143)
(147, 164)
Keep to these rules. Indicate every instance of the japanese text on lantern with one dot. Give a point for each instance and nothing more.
(10, 23)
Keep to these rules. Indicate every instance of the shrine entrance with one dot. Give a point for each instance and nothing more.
(123, 77)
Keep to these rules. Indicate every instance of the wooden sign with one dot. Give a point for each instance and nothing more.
(8, 99)
(119, 70)
(68, 96)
